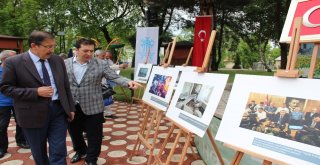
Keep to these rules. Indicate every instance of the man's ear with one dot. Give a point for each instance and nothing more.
(33, 45)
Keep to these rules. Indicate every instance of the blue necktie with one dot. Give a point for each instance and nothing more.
(46, 78)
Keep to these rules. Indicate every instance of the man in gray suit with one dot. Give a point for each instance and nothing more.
(85, 76)
(38, 83)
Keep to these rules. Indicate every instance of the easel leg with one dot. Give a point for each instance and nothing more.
(142, 129)
(189, 145)
(215, 146)
(174, 147)
(192, 150)
(142, 110)
(313, 60)
(266, 162)
(125, 95)
(145, 137)
(184, 151)
(159, 118)
(164, 143)
(237, 158)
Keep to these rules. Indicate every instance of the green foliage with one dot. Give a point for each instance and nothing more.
(120, 92)
(248, 57)
(274, 53)
(186, 35)
(232, 73)
(303, 63)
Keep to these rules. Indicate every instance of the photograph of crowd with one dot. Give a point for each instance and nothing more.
(160, 85)
(194, 98)
(143, 72)
(291, 118)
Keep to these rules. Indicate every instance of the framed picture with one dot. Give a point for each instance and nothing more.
(309, 11)
(183, 69)
(277, 118)
(196, 99)
(143, 73)
(160, 86)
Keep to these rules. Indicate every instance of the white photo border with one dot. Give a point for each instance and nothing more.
(248, 139)
(195, 124)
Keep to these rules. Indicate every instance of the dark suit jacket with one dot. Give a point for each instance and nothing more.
(308, 117)
(20, 81)
(285, 119)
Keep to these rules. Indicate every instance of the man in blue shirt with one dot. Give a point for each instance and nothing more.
(6, 106)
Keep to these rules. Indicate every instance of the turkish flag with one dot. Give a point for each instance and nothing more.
(309, 10)
(202, 33)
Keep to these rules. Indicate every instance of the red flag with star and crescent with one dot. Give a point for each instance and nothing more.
(202, 32)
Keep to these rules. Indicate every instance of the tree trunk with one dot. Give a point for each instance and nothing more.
(263, 56)
(284, 53)
(106, 33)
(216, 68)
(281, 7)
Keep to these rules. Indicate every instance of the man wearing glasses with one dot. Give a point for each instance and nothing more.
(38, 83)
(85, 76)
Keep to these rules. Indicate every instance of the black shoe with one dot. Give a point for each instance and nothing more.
(2, 154)
(77, 157)
(90, 163)
(23, 145)
(111, 116)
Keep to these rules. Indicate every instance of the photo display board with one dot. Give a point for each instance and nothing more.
(143, 73)
(196, 99)
(160, 87)
(278, 118)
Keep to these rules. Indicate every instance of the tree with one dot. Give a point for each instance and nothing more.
(99, 15)
(260, 23)
(222, 11)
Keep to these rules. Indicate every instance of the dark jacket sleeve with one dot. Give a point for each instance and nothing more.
(8, 85)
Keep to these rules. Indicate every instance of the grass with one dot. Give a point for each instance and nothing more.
(232, 73)
(127, 73)
(119, 92)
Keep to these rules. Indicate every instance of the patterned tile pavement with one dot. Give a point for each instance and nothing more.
(120, 135)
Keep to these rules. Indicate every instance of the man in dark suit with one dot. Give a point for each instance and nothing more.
(308, 117)
(282, 118)
(38, 83)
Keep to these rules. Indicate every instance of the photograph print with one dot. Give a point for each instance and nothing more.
(273, 117)
(160, 85)
(291, 118)
(194, 98)
(143, 73)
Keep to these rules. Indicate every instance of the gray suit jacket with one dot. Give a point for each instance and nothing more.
(88, 93)
(21, 80)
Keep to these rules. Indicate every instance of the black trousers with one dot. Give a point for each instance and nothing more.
(93, 126)
(5, 115)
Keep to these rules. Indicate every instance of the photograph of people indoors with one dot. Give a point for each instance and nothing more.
(194, 98)
(291, 118)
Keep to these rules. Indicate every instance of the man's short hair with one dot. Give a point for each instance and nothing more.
(109, 51)
(37, 37)
(6, 53)
(84, 41)
(99, 51)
